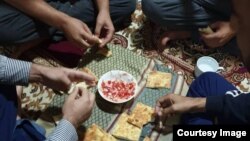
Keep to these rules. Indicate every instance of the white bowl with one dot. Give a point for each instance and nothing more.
(117, 75)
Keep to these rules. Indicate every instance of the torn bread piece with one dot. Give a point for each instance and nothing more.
(124, 130)
(82, 84)
(95, 133)
(206, 30)
(157, 79)
(104, 51)
(141, 115)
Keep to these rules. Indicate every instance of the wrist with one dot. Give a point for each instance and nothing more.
(36, 73)
(71, 120)
(62, 21)
(198, 105)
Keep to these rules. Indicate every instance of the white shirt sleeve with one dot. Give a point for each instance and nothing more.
(14, 71)
(64, 131)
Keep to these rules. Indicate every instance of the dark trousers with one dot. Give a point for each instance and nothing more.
(189, 15)
(17, 27)
(9, 129)
(207, 84)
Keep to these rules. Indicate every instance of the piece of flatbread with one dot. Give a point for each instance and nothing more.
(124, 130)
(141, 115)
(206, 30)
(95, 133)
(157, 79)
(105, 52)
(147, 139)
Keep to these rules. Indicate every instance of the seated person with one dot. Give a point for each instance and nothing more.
(28, 24)
(183, 18)
(14, 72)
(210, 96)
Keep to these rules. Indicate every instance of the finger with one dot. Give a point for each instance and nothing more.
(98, 29)
(164, 101)
(74, 94)
(77, 76)
(108, 38)
(215, 25)
(86, 28)
(91, 39)
(82, 43)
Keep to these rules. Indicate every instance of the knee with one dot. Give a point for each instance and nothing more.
(152, 10)
(208, 75)
(129, 8)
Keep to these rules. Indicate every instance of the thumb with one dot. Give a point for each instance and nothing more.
(167, 111)
(74, 94)
(215, 25)
(210, 36)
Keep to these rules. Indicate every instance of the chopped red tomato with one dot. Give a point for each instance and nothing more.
(118, 90)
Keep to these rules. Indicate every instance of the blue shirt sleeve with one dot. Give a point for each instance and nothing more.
(64, 131)
(230, 109)
(14, 71)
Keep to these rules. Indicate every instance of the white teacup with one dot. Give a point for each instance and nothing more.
(206, 64)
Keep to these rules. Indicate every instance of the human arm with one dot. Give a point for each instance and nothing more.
(75, 30)
(14, 71)
(172, 104)
(104, 27)
(21, 73)
(223, 32)
(230, 109)
(76, 109)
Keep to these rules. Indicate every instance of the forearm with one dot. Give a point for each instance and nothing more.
(40, 10)
(198, 105)
(102, 5)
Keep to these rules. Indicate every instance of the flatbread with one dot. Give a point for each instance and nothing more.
(206, 30)
(105, 52)
(157, 79)
(147, 139)
(124, 130)
(141, 115)
(95, 133)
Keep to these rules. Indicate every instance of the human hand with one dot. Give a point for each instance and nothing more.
(59, 78)
(104, 27)
(78, 33)
(223, 33)
(172, 104)
(78, 106)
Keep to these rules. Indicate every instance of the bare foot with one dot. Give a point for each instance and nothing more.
(172, 35)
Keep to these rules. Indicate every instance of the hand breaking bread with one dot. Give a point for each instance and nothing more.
(124, 130)
(157, 79)
(206, 30)
(95, 133)
(141, 115)
(104, 51)
(83, 84)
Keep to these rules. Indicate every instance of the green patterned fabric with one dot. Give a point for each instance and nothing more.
(121, 59)
(105, 114)
(149, 96)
